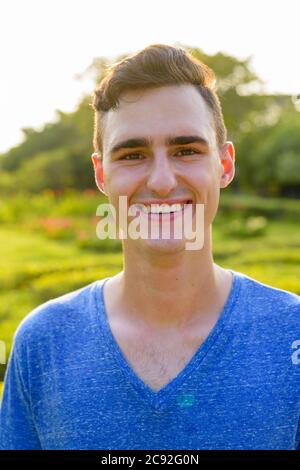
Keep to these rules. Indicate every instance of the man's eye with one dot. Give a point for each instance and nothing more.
(189, 150)
(131, 156)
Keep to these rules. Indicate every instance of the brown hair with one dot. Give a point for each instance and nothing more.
(155, 66)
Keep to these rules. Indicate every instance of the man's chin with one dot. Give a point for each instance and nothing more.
(163, 246)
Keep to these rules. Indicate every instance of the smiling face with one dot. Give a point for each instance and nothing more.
(159, 145)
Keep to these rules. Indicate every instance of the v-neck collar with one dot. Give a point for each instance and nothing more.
(216, 339)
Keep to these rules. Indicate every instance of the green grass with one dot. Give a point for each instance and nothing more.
(44, 257)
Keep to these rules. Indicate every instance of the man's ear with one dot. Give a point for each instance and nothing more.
(228, 164)
(98, 170)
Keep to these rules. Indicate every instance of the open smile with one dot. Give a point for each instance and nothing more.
(164, 211)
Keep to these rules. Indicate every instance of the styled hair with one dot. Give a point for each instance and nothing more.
(155, 66)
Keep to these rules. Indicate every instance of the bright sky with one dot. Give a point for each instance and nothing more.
(45, 43)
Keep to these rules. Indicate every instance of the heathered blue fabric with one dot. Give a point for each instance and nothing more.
(69, 386)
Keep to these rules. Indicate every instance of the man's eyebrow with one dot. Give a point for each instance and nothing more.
(130, 144)
(187, 139)
(146, 143)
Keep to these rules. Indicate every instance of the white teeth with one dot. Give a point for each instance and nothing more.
(161, 208)
(164, 208)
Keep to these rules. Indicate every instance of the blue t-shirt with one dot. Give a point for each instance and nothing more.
(69, 386)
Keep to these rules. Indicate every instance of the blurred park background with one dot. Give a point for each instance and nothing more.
(48, 197)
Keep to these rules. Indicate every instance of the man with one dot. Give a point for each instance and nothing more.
(174, 352)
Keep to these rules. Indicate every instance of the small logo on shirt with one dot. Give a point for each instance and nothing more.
(296, 354)
(186, 400)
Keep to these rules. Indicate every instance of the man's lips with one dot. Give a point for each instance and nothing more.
(166, 201)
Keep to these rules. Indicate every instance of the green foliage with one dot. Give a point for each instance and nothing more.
(251, 227)
(264, 128)
(270, 157)
(245, 205)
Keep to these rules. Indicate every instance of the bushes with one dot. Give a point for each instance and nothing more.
(250, 227)
(242, 205)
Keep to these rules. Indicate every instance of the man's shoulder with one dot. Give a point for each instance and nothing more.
(58, 314)
(267, 289)
(269, 300)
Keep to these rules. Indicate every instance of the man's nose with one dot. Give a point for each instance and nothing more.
(161, 179)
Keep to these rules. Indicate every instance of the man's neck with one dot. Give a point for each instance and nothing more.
(179, 292)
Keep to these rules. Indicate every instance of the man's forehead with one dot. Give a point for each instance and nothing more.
(172, 101)
(155, 117)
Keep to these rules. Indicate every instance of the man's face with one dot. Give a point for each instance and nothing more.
(189, 169)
